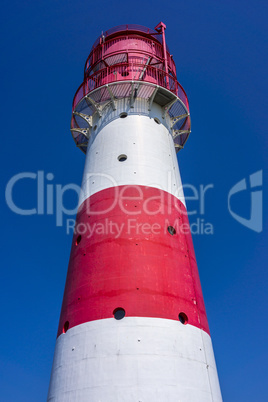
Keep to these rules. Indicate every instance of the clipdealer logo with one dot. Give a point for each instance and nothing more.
(256, 205)
(50, 200)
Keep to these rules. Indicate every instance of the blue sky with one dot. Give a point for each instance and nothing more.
(219, 50)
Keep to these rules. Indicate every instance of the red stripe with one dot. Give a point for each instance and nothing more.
(145, 270)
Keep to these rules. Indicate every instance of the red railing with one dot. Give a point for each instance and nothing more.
(125, 43)
(130, 72)
(126, 28)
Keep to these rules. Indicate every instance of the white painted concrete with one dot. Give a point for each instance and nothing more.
(134, 360)
(151, 156)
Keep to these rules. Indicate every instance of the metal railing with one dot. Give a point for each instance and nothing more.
(125, 29)
(130, 72)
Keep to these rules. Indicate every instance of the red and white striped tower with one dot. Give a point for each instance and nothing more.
(133, 325)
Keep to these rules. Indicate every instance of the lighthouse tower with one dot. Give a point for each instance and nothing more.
(133, 324)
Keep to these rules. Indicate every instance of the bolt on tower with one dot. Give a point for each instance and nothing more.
(133, 324)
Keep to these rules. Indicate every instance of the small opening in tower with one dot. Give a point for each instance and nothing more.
(119, 313)
(65, 327)
(183, 318)
(122, 158)
(95, 127)
(171, 230)
(125, 73)
(123, 115)
(157, 120)
(78, 240)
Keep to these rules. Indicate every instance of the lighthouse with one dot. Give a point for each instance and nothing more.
(133, 325)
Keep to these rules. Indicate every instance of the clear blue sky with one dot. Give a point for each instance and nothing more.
(219, 50)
